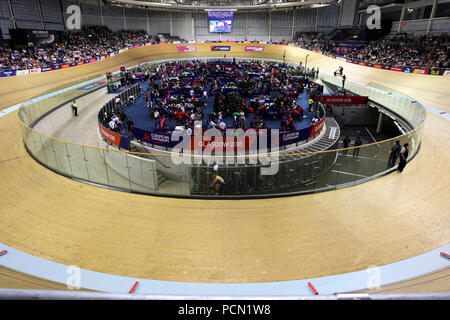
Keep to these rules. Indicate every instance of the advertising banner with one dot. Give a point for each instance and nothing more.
(92, 60)
(220, 48)
(437, 72)
(187, 48)
(408, 69)
(56, 67)
(421, 71)
(447, 73)
(378, 66)
(254, 49)
(37, 70)
(22, 72)
(295, 136)
(343, 99)
(163, 138)
(46, 69)
(79, 63)
(317, 127)
(64, 66)
(8, 73)
(386, 67)
(114, 138)
(362, 63)
(397, 69)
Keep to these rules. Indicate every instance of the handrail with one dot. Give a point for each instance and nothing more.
(21, 294)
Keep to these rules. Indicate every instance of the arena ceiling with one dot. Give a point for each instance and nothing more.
(238, 5)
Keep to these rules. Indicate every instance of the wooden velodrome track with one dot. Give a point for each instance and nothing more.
(386, 220)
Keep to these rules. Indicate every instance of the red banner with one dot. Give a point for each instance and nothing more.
(343, 99)
(112, 137)
(317, 127)
(397, 69)
(80, 63)
(65, 66)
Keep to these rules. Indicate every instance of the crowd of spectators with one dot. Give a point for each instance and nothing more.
(88, 43)
(423, 52)
(260, 91)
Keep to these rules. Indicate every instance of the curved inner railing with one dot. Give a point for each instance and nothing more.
(293, 173)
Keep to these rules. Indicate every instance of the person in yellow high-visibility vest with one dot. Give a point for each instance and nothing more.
(75, 108)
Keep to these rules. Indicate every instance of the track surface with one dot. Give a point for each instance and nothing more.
(376, 223)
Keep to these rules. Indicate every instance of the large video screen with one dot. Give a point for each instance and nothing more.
(220, 21)
(219, 25)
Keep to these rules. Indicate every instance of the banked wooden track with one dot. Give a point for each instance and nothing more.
(390, 219)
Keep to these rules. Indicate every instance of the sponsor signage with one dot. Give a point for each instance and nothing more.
(220, 48)
(114, 138)
(386, 67)
(343, 99)
(64, 66)
(421, 71)
(317, 127)
(254, 49)
(8, 73)
(436, 72)
(447, 73)
(92, 60)
(37, 70)
(362, 63)
(407, 69)
(56, 67)
(46, 69)
(163, 138)
(378, 66)
(396, 68)
(80, 63)
(186, 48)
(22, 72)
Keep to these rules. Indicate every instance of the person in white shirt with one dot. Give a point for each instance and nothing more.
(112, 125)
(222, 125)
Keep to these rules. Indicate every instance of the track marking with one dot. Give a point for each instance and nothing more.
(350, 174)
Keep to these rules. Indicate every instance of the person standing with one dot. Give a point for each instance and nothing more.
(358, 143)
(343, 81)
(345, 145)
(75, 108)
(403, 156)
(395, 152)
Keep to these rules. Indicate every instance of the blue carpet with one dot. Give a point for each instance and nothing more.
(139, 114)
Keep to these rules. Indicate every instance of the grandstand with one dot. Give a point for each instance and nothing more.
(311, 69)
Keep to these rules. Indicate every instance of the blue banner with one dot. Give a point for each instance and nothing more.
(408, 69)
(220, 48)
(8, 73)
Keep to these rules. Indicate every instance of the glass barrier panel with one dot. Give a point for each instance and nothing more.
(49, 153)
(35, 145)
(77, 161)
(62, 157)
(96, 165)
(143, 174)
(117, 169)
